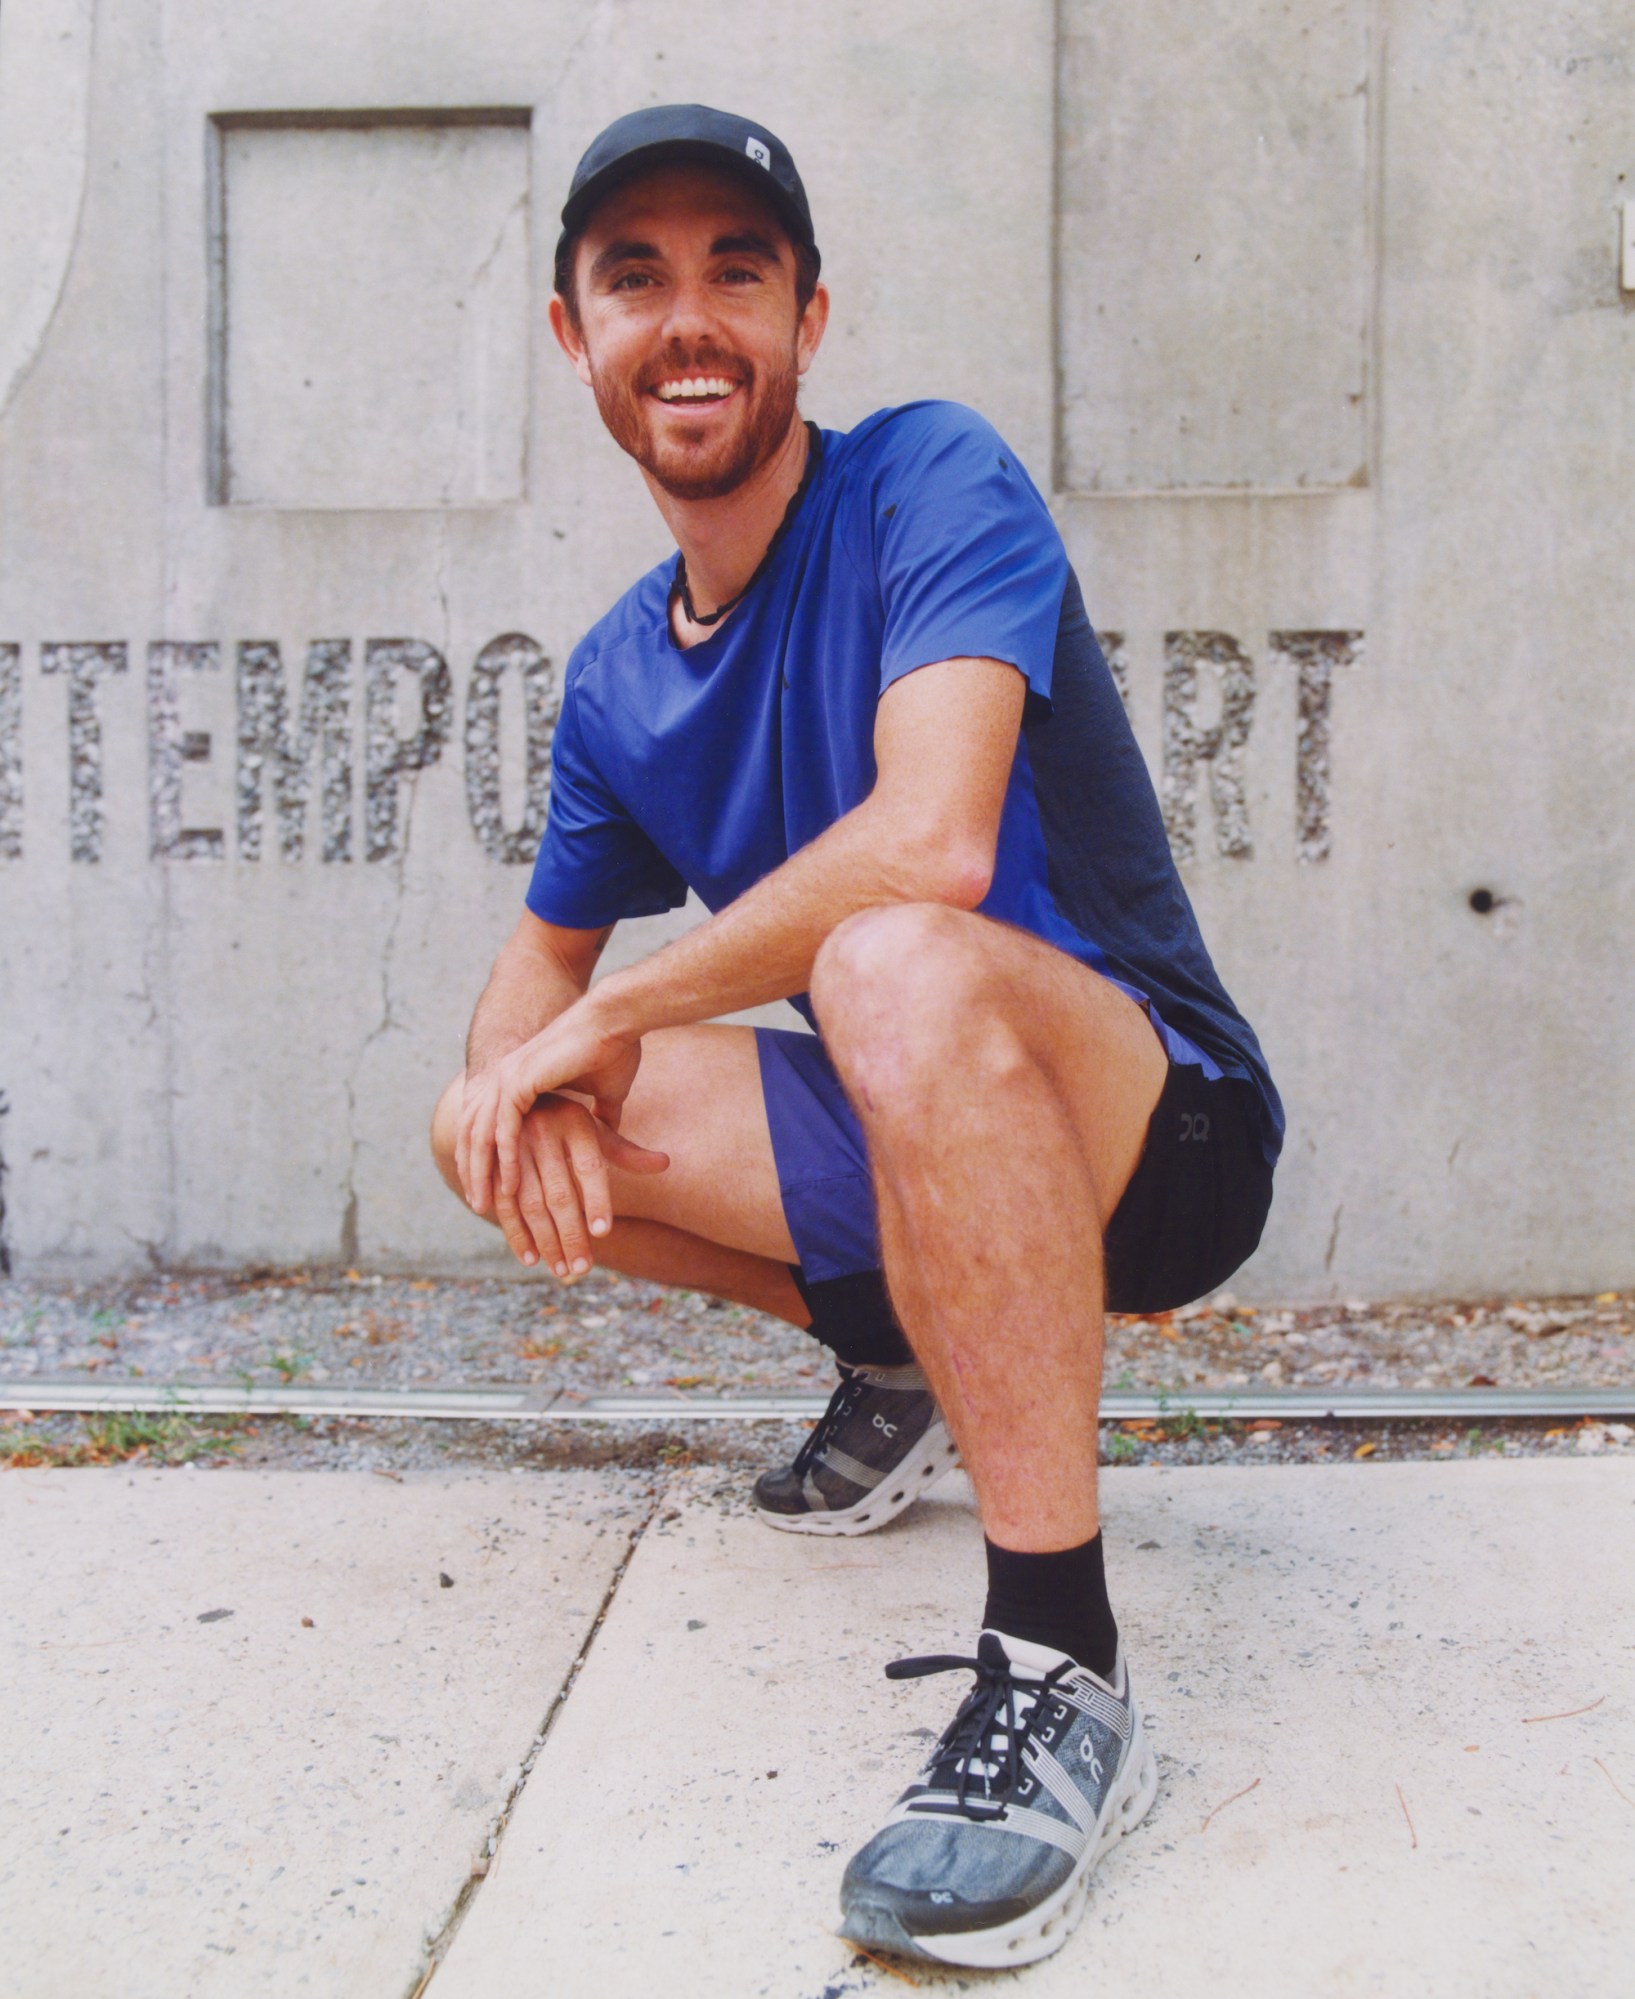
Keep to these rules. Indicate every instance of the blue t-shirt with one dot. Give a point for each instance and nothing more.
(919, 539)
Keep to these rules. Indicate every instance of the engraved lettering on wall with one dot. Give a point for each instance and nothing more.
(1220, 745)
(11, 753)
(268, 746)
(390, 757)
(170, 746)
(542, 698)
(84, 666)
(1315, 655)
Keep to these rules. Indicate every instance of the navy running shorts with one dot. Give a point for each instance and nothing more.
(1192, 1213)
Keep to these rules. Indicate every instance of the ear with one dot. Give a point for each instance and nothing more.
(569, 337)
(809, 334)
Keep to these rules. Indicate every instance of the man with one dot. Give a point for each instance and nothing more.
(863, 715)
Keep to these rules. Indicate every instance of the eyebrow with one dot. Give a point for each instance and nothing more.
(747, 244)
(632, 250)
(624, 250)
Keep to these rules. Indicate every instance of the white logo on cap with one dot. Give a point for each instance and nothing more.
(759, 153)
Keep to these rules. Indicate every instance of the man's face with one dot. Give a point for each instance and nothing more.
(689, 332)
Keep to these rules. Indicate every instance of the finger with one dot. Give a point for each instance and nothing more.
(508, 1214)
(609, 1109)
(537, 1217)
(562, 1198)
(590, 1170)
(507, 1132)
(479, 1163)
(625, 1152)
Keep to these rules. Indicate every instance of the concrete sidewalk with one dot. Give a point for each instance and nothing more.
(1342, 1668)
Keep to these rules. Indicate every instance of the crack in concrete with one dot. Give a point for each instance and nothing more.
(437, 1947)
(1333, 1238)
(386, 1023)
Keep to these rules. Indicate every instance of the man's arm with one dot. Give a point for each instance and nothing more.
(944, 743)
(945, 740)
(543, 970)
(540, 971)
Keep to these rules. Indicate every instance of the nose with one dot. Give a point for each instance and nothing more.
(689, 311)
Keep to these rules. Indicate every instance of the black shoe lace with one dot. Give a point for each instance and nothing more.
(990, 1710)
(841, 1406)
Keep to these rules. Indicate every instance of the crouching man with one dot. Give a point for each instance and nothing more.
(862, 713)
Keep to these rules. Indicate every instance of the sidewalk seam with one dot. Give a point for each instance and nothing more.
(437, 1948)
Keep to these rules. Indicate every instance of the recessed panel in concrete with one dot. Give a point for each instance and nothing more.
(1213, 245)
(372, 313)
(1341, 1669)
(201, 1791)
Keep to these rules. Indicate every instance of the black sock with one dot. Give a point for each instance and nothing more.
(1059, 1599)
(853, 1317)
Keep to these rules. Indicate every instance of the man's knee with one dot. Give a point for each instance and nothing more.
(445, 1130)
(906, 998)
(901, 952)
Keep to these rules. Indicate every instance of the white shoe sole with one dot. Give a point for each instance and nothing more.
(932, 1458)
(1045, 1929)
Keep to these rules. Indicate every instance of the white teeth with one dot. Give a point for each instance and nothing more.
(694, 387)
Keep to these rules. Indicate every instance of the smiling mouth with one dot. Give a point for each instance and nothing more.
(694, 391)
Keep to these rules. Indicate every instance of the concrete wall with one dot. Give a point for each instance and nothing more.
(1313, 324)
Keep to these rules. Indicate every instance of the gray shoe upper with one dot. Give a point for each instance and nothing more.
(1008, 1801)
(874, 1419)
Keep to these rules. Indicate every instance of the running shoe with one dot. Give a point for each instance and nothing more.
(880, 1443)
(986, 1858)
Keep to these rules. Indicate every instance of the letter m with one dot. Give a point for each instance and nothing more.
(268, 747)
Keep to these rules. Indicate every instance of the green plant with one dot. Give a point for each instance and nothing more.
(1185, 1422)
(290, 1366)
(120, 1437)
(1121, 1448)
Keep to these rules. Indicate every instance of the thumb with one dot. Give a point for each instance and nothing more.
(621, 1151)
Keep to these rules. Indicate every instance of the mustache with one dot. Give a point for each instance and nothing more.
(704, 360)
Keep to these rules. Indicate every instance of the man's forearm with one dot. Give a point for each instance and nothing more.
(762, 946)
(528, 988)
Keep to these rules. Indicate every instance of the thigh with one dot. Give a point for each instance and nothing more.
(1093, 1040)
(698, 1097)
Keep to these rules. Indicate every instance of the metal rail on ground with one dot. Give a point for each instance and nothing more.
(553, 1405)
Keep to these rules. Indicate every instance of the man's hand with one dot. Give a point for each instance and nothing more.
(540, 1169)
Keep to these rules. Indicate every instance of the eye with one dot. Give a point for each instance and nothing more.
(741, 274)
(629, 281)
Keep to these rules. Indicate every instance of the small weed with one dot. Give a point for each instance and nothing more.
(1476, 1441)
(120, 1438)
(290, 1366)
(1181, 1424)
(1121, 1448)
(106, 1319)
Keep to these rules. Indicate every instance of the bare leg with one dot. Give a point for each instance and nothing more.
(713, 1221)
(1005, 1092)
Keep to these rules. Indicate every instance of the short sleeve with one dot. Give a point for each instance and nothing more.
(595, 864)
(969, 560)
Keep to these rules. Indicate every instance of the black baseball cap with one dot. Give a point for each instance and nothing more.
(663, 132)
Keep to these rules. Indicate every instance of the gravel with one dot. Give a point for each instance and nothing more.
(608, 1333)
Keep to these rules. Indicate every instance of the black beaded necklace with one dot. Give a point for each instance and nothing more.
(814, 448)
